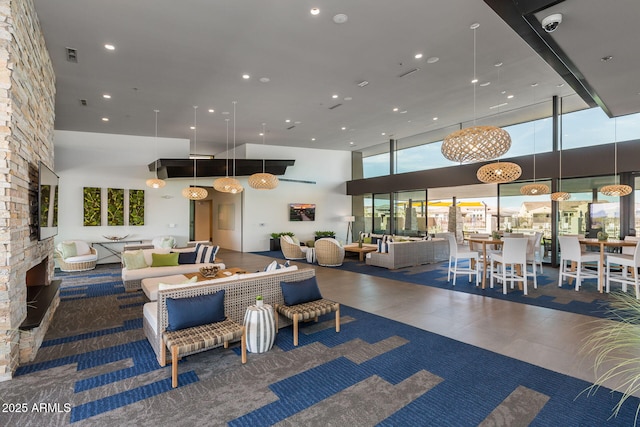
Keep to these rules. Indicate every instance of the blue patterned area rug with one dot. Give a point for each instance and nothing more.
(96, 368)
(587, 301)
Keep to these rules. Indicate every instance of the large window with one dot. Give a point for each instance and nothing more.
(410, 213)
(524, 214)
(593, 127)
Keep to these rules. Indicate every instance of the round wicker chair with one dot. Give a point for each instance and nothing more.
(329, 252)
(292, 250)
(85, 257)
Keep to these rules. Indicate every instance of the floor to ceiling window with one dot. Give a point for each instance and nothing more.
(410, 213)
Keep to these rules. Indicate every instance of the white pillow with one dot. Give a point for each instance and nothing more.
(187, 282)
(82, 247)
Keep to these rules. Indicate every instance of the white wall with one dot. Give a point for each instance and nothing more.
(85, 159)
(119, 161)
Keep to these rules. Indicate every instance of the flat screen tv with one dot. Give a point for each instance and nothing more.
(302, 212)
(47, 202)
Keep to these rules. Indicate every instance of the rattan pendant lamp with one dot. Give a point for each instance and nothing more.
(194, 192)
(534, 189)
(156, 182)
(476, 143)
(617, 189)
(263, 180)
(226, 184)
(560, 196)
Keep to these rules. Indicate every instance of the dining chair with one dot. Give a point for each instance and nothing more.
(533, 255)
(628, 265)
(570, 252)
(511, 264)
(456, 254)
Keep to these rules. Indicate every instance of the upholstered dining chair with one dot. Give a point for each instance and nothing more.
(457, 254)
(511, 264)
(571, 252)
(291, 249)
(628, 265)
(329, 252)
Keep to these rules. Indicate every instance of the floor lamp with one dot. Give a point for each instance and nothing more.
(350, 220)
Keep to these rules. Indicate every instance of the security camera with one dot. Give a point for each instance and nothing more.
(551, 22)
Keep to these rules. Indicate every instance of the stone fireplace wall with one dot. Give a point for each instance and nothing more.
(27, 101)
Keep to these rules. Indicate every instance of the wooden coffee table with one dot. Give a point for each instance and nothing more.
(361, 251)
(219, 275)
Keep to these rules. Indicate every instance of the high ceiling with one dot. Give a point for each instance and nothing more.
(171, 55)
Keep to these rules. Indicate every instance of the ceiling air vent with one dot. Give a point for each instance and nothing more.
(83, 102)
(335, 106)
(408, 72)
(291, 127)
(72, 55)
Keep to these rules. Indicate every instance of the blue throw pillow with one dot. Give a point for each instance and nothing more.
(187, 257)
(195, 311)
(300, 292)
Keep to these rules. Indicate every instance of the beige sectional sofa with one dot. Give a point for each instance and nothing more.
(410, 253)
(132, 278)
(240, 293)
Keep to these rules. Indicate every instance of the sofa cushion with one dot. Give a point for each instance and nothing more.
(134, 260)
(150, 314)
(148, 253)
(150, 285)
(68, 249)
(186, 257)
(164, 260)
(206, 253)
(143, 273)
(81, 258)
(188, 312)
(300, 292)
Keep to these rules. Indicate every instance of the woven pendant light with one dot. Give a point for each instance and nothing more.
(534, 189)
(156, 182)
(227, 184)
(194, 192)
(499, 172)
(617, 189)
(560, 196)
(263, 180)
(476, 143)
(223, 184)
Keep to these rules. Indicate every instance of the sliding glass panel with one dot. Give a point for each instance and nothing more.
(410, 213)
(380, 214)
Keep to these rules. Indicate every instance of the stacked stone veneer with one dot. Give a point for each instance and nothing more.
(27, 92)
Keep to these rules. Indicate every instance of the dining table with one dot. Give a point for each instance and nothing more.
(484, 241)
(603, 244)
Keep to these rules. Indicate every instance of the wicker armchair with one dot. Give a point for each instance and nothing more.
(292, 250)
(329, 252)
(85, 257)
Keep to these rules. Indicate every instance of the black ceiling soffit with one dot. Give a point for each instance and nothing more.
(183, 168)
(519, 15)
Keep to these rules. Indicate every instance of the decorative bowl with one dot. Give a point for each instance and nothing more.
(115, 238)
(209, 271)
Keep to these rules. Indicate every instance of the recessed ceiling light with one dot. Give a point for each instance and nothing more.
(334, 96)
(105, 119)
(109, 47)
(287, 121)
(504, 92)
(435, 118)
(340, 18)
(246, 76)
(418, 56)
(211, 110)
(395, 109)
(474, 81)
(351, 142)
(192, 127)
(106, 96)
(343, 128)
(261, 134)
(509, 96)
(383, 133)
(313, 139)
(534, 84)
(485, 84)
(403, 112)
(265, 79)
(348, 98)
(498, 64)
(315, 11)
(432, 60)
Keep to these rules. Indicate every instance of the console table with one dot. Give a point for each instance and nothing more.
(114, 247)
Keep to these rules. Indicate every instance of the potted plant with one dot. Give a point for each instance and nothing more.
(259, 301)
(274, 243)
(323, 234)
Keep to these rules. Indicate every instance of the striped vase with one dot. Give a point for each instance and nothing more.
(260, 326)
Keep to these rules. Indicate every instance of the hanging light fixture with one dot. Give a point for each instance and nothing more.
(224, 184)
(233, 186)
(617, 189)
(263, 181)
(560, 196)
(194, 192)
(534, 189)
(156, 182)
(499, 172)
(476, 143)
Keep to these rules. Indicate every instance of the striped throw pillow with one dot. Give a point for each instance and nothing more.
(206, 253)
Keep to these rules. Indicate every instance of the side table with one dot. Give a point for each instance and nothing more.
(260, 327)
(311, 255)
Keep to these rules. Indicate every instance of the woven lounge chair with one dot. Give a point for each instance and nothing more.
(83, 258)
(291, 249)
(329, 252)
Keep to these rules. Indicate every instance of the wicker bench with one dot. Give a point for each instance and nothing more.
(188, 341)
(307, 311)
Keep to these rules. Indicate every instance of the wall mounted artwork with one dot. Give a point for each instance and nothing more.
(115, 206)
(136, 207)
(92, 206)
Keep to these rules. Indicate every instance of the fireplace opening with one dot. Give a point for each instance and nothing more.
(40, 294)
